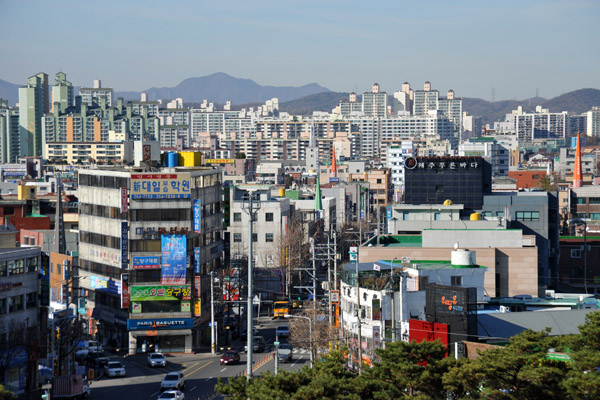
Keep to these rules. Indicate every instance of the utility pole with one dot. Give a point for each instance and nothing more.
(314, 271)
(251, 209)
(358, 319)
(213, 345)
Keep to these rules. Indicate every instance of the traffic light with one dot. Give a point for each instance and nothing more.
(55, 367)
(57, 334)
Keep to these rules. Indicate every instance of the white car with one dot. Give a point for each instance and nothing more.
(114, 368)
(171, 395)
(85, 346)
(173, 381)
(157, 360)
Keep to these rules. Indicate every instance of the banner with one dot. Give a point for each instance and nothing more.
(124, 244)
(159, 292)
(160, 186)
(197, 282)
(197, 308)
(376, 310)
(174, 259)
(196, 260)
(197, 208)
(376, 337)
(45, 280)
(125, 291)
(124, 199)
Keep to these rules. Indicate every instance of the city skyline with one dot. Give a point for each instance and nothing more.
(472, 48)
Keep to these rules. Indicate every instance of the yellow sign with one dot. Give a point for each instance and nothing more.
(197, 308)
(220, 161)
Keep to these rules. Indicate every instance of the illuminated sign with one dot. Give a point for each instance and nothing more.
(160, 186)
(124, 244)
(174, 259)
(197, 208)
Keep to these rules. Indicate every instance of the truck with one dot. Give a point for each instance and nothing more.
(70, 387)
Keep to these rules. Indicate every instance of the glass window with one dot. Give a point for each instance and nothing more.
(269, 217)
(595, 215)
(31, 300)
(269, 237)
(3, 268)
(527, 215)
(16, 303)
(32, 264)
(255, 237)
(456, 280)
(15, 267)
(575, 253)
(2, 306)
(237, 217)
(237, 237)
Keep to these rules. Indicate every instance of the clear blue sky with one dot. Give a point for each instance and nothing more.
(514, 47)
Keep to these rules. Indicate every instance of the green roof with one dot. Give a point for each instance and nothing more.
(399, 241)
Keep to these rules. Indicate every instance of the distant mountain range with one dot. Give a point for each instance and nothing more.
(302, 100)
(220, 87)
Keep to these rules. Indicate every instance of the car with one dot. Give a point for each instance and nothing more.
(173, 381)
(285, 352)
(114, 368)
(171, 395)
(282, 331)
(157, 360)
(96, 359)
(230, 357)
(258, 344)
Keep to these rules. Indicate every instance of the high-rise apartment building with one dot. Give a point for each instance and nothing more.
(9, 133)
(375, 102)
(33, 104)
(62, 94)
(97, 95)
(593, 122)
(425, 100)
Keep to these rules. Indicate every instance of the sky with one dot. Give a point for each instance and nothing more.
(513, 49)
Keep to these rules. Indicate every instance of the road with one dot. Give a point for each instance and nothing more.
(201, 370)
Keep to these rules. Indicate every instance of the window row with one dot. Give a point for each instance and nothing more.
(527, 216)
(16, 267)
(99, 239)
(109, 182)
(237, 237)
(237, 217)
(97, 210)
(18, 303)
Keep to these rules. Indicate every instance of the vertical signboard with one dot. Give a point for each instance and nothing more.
(124, 244)
(45, 281)
(147, 153)
(124, 200)
(197, 285)
(376, 310)
(196, 260)
(197, 308)
(197, 211)
(125, 291)
(389, 217)
(174, 257)
(376, 337)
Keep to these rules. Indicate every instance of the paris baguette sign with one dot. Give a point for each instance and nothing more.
(160, 323)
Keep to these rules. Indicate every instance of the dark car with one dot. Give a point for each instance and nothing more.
(285, 352)
(230, 357)
(96, 359)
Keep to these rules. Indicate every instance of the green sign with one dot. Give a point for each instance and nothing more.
(161, 292)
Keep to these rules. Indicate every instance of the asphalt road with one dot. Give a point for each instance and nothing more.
(201, 370)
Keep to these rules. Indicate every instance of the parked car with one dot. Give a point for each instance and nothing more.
(282, 331)
(230, 357)
(83, 347)
(114, 368)
(173, 381)
(258, 344)
(157, 360)
(285, 352)
(96, 359)
(171, 395)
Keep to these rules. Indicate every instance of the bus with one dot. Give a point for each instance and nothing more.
(281, 308)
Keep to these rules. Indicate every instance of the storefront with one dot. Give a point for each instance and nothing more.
(167, 335)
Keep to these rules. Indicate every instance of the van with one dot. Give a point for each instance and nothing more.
(83, 347)
(258, 344)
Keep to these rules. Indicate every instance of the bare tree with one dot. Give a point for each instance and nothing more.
(324, 337)
(292, 250)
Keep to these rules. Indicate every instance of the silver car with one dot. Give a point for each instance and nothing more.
(173, 381)
(157, 360)
(114, 368)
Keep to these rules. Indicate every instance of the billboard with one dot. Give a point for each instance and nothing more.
(197, 209)
(197, 308)
(219, 161)
(160, 292)
(174, 259)
(453, 305)
(145, 262)
(196, 260)
(160, 186)
(160, 323)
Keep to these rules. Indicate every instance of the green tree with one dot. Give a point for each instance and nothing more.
(412, 370)
(520, 370)
(6, 395)
(583, 381)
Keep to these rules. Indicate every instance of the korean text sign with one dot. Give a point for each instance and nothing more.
(160, 186)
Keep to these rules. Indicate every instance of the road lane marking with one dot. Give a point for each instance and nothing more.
(191, 366)
(153, 394)
(223, 369)
(210, 362)
(193, 388)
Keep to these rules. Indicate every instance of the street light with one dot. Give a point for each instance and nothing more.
(577, 221)
(392, 300)
(310, 333)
